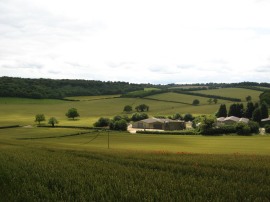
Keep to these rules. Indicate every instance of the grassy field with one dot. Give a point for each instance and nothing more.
(22, 111)
(90, 98)
(240, 93)
(176, 97)
(135, 168)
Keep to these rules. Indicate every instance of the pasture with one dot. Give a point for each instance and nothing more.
(240, 93)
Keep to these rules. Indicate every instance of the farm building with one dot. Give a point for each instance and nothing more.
(265, 121)
(161, 124)
(230, 120)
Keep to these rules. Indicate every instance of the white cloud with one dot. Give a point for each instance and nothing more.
(136, 41)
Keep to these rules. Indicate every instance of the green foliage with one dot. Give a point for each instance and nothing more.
(210, 100)
(248, 98)
(102, 122)
(249, 110)
(72, 113)
(264, 110)
(206, 125)
(40, 118)
(222, 112)
(49, 88)
(142, 108)
(257, 115)
(215, 100)
(265, 97)
(196, 102)
(236, 109)
(119, 125)
(181, 132)
(188, 117)
(127, 108)
(52, 121)
(177, 116)
(267, 128)
(139, 116)
(254, 127)
(242, 129)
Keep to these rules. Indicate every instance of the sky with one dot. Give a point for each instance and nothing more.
(138, 41)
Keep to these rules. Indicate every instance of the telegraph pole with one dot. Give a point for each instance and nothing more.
(108, 139)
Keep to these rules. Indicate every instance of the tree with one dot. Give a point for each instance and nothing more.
(206, 125)
(127, 108)
(257, 115)
(119, 125)
(102, 122)
(248, 98)
(236, 110)
(53, 121)
(222, 112)
(177, 116)
(210, 100)
(139, 116)
(188, 117)
(142, 108)
(72, 113)
(196, 102)
(39, 118)
(242, 129)
(215, 100)
(264, 110)
(249, 110)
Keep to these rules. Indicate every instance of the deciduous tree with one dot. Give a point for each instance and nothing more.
(40, 118)
(72, 113)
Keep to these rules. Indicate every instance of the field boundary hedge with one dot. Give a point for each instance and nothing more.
(76, 127)
(184, 132)
(13, 126)
(207, 95)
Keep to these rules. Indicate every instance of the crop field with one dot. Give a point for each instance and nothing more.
(136, 167)
(176, 97)
(240, 93)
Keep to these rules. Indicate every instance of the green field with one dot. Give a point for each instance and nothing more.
(176, 97)
(89, 98)
(65, 164)
(55, 167)
(240, 93)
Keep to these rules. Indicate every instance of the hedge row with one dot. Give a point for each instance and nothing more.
(183, 132)
(13, 126)
(208, 96)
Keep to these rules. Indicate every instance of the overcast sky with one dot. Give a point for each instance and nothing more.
(139, 41)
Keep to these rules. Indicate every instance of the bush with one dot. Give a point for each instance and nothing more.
(267, 128)
(188, 117)
(119, 125)
(254, 127)
(139, 116)
(102, 122)
(242, 129)
(196, 102)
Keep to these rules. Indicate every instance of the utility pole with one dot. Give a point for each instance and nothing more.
(108, 139)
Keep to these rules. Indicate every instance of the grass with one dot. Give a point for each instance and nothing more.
(49, 170)
(89, 98)
(176, 97)
(240, 93)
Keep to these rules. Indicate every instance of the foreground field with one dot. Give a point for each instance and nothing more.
(34, 173)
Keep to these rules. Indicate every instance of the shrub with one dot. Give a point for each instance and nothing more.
(196, 102)
(267, 128)
(102, 122)
(139, 116)
(254, 127)
(119, 125)
(242, 129)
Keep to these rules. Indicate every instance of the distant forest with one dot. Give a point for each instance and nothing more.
(51, 88)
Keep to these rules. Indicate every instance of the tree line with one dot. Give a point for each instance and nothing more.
(50, 88)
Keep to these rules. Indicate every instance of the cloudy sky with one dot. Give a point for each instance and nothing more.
(142, 41)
